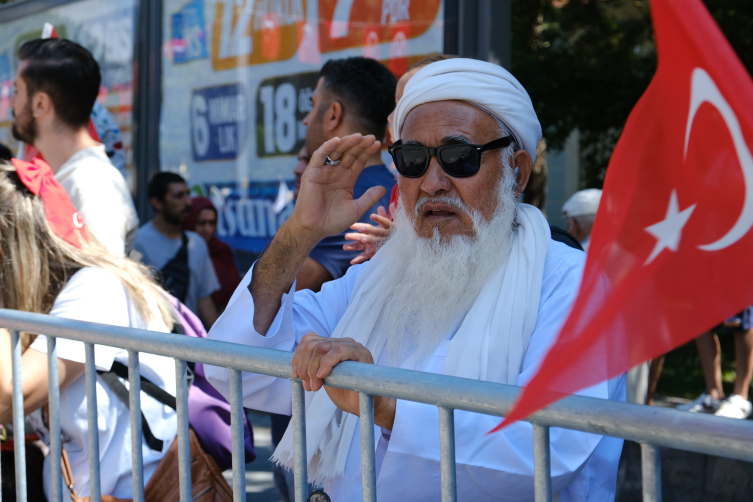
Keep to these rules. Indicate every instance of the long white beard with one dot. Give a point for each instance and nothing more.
(435, 281)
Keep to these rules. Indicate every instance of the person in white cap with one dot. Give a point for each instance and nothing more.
(469, 284)
(580, 212)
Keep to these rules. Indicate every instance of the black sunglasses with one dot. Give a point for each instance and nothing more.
(459, 160)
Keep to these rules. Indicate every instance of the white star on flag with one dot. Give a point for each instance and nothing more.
(669, 231)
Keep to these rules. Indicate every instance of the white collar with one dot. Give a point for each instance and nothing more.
(97, 151)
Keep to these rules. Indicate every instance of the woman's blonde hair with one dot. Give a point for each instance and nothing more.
(35, 264)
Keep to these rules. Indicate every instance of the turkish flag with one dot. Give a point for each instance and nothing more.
(670, 255)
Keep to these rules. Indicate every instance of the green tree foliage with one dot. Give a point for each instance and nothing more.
(586, 63)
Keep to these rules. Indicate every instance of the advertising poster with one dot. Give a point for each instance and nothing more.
(106, 29)
(237, 78)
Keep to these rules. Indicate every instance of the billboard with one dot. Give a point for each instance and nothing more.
(105, 28)
(237, 78)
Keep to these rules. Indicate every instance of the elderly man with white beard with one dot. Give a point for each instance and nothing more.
(469, 284)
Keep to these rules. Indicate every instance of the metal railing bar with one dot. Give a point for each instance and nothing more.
(19, 431)
(90, 374)
(236, 426)
(701, 433)
(53, 419)
(542, 465)
(234, 356)
(184, 445)
(300, 463)
(447, 454)
(651, 471)
(134, 403)
(368, 448)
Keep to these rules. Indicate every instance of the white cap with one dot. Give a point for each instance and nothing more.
(585, 202)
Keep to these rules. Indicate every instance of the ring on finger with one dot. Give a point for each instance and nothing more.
(330, 162)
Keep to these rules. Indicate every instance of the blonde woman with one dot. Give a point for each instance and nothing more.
(49, 264)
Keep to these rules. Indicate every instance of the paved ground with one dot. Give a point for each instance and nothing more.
(686, 476)
(260, 486)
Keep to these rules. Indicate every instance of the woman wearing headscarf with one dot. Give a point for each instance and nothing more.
(203, 221)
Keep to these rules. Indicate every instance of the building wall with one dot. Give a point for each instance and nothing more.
(563, 177)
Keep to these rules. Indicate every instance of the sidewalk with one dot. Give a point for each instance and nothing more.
(686, 476)
(260, 486)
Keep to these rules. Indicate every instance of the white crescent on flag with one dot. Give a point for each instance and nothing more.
(703, 89)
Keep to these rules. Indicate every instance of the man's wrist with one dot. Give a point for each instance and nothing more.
(384, 412)
(298, 236)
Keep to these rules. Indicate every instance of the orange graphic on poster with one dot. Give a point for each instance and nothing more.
(398, 55)
(270, 37)
(249, 32)
(346, 24)
(371, 42)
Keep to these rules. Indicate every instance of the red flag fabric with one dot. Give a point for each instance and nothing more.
(670, 254)
(49, 31)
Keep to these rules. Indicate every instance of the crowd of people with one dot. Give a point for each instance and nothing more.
(444, 269)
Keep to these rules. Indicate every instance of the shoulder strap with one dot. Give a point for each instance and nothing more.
(65, 465)
(181, 256)
(175, 275)
(147, 386)
(110, 378)
(116, 386)
(67, 473)
(182, 253)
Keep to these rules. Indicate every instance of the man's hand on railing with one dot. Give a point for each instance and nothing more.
(314, 360)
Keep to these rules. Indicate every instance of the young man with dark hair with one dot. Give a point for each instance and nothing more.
(181, 257)
(353, 95)
(56, 85)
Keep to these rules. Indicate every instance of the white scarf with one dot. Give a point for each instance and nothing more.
(489, 345)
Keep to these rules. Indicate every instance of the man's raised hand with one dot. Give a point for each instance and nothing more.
(325, 207)
(325, 204)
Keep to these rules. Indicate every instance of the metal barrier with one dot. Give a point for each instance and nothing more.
(652, 427)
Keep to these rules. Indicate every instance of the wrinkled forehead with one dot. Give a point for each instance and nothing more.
(443, 119)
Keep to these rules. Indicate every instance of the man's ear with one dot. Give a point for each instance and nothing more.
(156, 204)
(522, 161)
(573, 226)
(41, 104)
(333, 117)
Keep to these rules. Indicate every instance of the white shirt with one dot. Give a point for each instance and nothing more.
(95, 295)
(493, 467)
(101, 195)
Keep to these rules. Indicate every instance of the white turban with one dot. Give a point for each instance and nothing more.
(485, 85)
(585, 202)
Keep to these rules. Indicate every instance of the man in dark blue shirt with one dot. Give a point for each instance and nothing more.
(353, 95)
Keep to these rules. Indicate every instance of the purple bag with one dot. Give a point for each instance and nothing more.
(208, 411)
